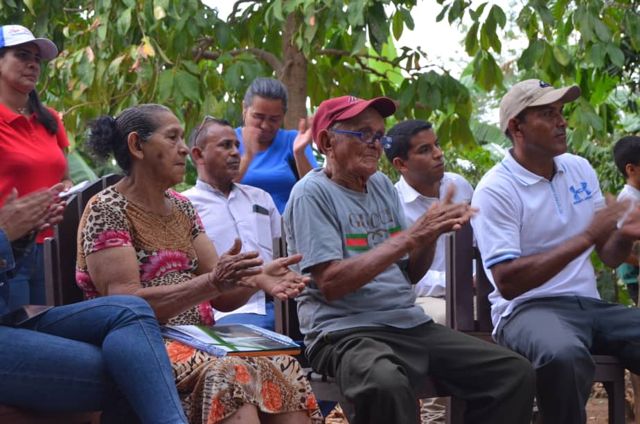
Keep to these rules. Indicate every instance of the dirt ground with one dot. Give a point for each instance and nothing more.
(597, 408)
(596, 413)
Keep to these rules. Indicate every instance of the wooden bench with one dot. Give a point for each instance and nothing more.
(469, 311)
(59, 266)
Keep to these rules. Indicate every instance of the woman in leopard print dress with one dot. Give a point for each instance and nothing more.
(139, 237)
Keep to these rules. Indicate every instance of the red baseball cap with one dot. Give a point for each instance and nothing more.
(345, 107)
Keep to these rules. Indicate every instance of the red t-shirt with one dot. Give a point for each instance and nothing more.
(31, 157)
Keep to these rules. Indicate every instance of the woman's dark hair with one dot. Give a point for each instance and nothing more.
(108, 135)
(267, 88)
(43, 115)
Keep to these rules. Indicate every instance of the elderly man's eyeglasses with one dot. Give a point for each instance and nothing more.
(367, 137)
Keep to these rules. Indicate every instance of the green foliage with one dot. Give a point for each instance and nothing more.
(115, 54)
(118, 53)
(471, 162)
(387, 168)
(595, 44)
(79, 170)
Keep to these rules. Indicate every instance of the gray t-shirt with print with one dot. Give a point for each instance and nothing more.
(326, 222)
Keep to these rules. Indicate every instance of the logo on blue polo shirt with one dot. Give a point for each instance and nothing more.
(581, 193)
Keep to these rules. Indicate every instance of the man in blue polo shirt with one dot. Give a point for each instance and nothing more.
(541, 215)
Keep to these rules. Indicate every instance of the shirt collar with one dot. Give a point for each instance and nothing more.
(634, 190)
(408, 193)
(523, 175)
(208, 187)
(8, 115)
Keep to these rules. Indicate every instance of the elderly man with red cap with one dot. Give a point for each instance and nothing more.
(542, 214)
(358, 314)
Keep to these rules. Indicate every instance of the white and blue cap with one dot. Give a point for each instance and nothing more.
(14, 35)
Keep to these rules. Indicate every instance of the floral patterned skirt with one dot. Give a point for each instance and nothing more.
(213, 388)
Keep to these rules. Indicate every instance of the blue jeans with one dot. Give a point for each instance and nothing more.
(103, 354)
(27, 285)
(263, 321)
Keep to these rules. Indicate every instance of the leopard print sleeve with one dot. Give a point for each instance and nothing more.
(104, 223)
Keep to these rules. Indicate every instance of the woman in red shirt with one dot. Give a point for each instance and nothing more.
(32, 146)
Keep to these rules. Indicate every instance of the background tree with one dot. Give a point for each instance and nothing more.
(122, 52)
(594, 43)
(116, 53)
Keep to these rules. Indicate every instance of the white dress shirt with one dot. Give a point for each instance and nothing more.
(249, 214)
(415, 205)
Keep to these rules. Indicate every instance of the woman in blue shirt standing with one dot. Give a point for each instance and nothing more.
(273, 159)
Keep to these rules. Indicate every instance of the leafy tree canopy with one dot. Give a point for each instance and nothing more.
(116, 53)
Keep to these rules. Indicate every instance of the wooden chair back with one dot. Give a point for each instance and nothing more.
(467, 285)
(286, 315)
(60, 251)
(469, 311)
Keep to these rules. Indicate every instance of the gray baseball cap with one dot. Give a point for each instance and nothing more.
(532, 92)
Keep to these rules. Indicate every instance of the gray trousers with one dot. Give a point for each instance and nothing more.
(379, 370)
(558, 335)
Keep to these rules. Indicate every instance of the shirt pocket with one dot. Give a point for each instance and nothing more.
(262, 226)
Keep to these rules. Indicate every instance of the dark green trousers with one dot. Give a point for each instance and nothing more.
(379, 370)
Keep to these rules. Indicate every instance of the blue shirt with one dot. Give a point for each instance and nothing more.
(273, 169)
(7, 263)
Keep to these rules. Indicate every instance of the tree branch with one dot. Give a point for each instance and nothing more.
(345, 53)
(363, 64)
(236, 8)
(362, 57)
(264, 55)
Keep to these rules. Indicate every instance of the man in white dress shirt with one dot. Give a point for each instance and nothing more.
(229, 210)
(416, 154)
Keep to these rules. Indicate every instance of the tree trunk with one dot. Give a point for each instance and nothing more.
(294, 74)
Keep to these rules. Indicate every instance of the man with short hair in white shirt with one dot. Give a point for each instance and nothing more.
(416, 154)
(229, 210)
(541, 214)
